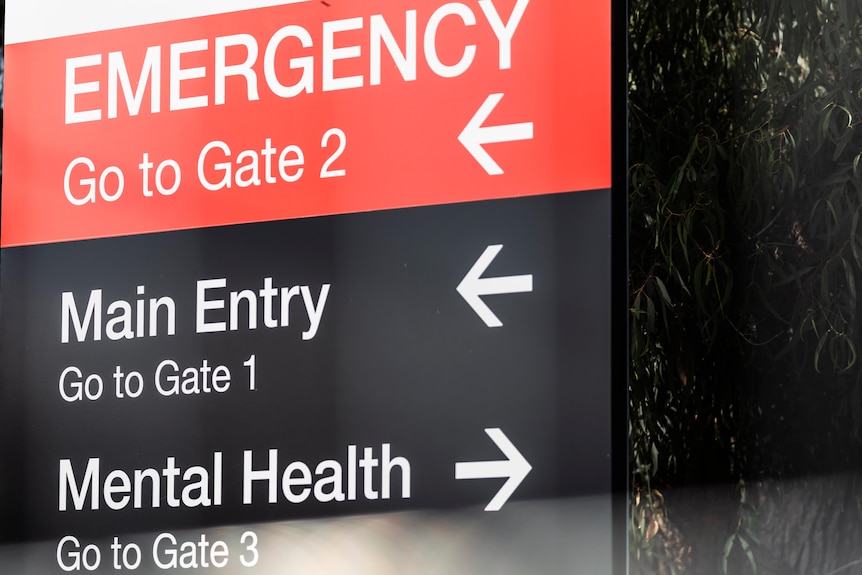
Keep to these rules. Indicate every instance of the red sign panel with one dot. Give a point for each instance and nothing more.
(303, 110)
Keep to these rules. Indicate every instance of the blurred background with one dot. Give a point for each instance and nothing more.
(745, 256)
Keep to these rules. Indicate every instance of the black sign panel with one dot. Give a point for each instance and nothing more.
(450, 357)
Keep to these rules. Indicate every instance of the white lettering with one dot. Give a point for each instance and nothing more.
(305, 63)
(74, 89)
(331, 54)
(179, 74)
(223, 71)
(117, 74)
(315, 311)
(79, 494)
(504, 32)
(405, 61)
(289, 58)
(439, 68)
(203, 304)
(92, 315)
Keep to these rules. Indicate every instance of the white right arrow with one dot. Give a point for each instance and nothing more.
(473, 286)
(514, 467)
(475, 135)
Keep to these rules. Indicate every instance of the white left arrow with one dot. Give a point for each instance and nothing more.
(474, 135)
(514, 467)
(474, 286)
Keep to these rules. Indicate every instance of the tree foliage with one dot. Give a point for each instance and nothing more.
(746, 246)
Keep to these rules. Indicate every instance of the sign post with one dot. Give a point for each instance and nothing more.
(276, 273)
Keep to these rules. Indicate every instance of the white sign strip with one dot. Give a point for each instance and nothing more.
(29, 20)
